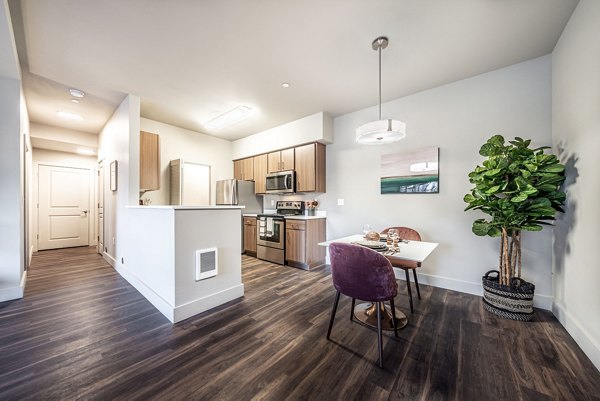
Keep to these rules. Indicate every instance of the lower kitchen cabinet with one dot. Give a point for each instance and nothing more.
(302, 239)
(250, 236)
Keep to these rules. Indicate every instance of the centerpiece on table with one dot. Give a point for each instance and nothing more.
(519, 188)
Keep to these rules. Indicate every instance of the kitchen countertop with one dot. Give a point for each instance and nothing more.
(176, 207)
(301, 217)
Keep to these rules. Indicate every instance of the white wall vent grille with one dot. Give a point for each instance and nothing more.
(206, 263)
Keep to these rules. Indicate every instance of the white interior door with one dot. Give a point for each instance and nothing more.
(64, 205)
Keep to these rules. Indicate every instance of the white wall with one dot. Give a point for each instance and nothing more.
(64, 159)
(459, 118)
(119, 140)
(314, 128)
(12, 200)
(64, 135)
(194, 147)
(576, 136)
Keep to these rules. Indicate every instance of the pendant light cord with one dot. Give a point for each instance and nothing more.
(380, 81)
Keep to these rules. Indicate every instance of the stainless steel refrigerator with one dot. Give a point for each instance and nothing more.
(241, 193)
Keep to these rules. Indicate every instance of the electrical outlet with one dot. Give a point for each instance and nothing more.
(340, 202)
(113, 240)
(272, 202)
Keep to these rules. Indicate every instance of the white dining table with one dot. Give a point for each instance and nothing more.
(414, 251)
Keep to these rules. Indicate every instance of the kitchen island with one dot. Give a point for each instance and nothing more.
(159, 259)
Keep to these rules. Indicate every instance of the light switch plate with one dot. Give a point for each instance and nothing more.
(340, 202)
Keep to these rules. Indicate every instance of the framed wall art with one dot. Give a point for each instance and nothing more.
(113, 176)
(414, 171)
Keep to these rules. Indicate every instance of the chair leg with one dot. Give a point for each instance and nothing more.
(394, 317)
(379, 334)
(352, 310)
(416, 283)
(335, 305)
(409, 291)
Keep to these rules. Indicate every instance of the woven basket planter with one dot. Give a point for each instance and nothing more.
(514, 301)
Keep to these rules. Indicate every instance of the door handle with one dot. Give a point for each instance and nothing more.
(85, 212)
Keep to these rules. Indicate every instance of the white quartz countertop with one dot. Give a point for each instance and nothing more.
(302, 217)
(175, 207)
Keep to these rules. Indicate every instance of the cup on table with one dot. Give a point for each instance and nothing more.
(391, 234)
(366, 228)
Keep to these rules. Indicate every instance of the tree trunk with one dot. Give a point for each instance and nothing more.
(505, 258)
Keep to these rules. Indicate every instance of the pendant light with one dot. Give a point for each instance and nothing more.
(381, 131)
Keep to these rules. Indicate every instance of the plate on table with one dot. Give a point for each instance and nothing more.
(374, 245)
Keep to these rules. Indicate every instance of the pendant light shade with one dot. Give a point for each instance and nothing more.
(381, 131)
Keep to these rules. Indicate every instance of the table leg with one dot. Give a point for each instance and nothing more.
(366, 313)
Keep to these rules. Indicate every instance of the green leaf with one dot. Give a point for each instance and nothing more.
(480, 227)
(533, 227)
(519, 198)
(469, 198)
(553, 168)
(492, 190)
(494, 232)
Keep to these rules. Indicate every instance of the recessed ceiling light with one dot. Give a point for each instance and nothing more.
(75, 100)
(76, 92)
(285, 85)
(87, 152)
(69, 116)
(229, 118)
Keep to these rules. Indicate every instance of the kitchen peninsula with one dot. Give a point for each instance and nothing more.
(160, 260)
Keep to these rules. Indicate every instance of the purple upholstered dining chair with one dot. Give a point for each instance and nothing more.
(362, 273)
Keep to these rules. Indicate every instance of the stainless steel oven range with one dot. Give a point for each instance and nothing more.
(270, 239)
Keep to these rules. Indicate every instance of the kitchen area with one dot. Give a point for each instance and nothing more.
(202, 207)
(288, 233)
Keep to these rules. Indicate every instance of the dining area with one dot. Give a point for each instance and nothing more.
(367, 267)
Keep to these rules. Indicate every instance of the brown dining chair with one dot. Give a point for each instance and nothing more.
(406, 265)
(361, 273)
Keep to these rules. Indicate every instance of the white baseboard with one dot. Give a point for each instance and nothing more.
(190, 309)
(582, 337)
(159, 302)
(111, 261)
(539, 300)
(15, 292)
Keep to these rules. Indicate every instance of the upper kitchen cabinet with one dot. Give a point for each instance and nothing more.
(149, 162)
(260, 174)
(243, 169)
(282, 160)
(310, 168)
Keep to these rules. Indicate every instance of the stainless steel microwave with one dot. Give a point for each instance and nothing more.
(281, 182)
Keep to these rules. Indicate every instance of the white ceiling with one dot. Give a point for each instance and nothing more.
(192, 60)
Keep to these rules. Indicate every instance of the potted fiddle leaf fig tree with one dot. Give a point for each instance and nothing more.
(519, 189)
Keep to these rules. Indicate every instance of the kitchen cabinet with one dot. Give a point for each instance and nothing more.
(250, 236)
(282, 160)
(149, 161)
(310, 168)
(243, 169)
(260, 173)
(302, 239)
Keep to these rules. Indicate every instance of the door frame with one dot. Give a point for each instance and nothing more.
(97, 184)
(35, 200)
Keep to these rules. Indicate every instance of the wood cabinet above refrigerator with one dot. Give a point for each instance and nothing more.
(149, 162)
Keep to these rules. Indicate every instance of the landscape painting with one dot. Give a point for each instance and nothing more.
(414, 171)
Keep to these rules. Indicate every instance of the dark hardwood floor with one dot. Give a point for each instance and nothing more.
(82, 332)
